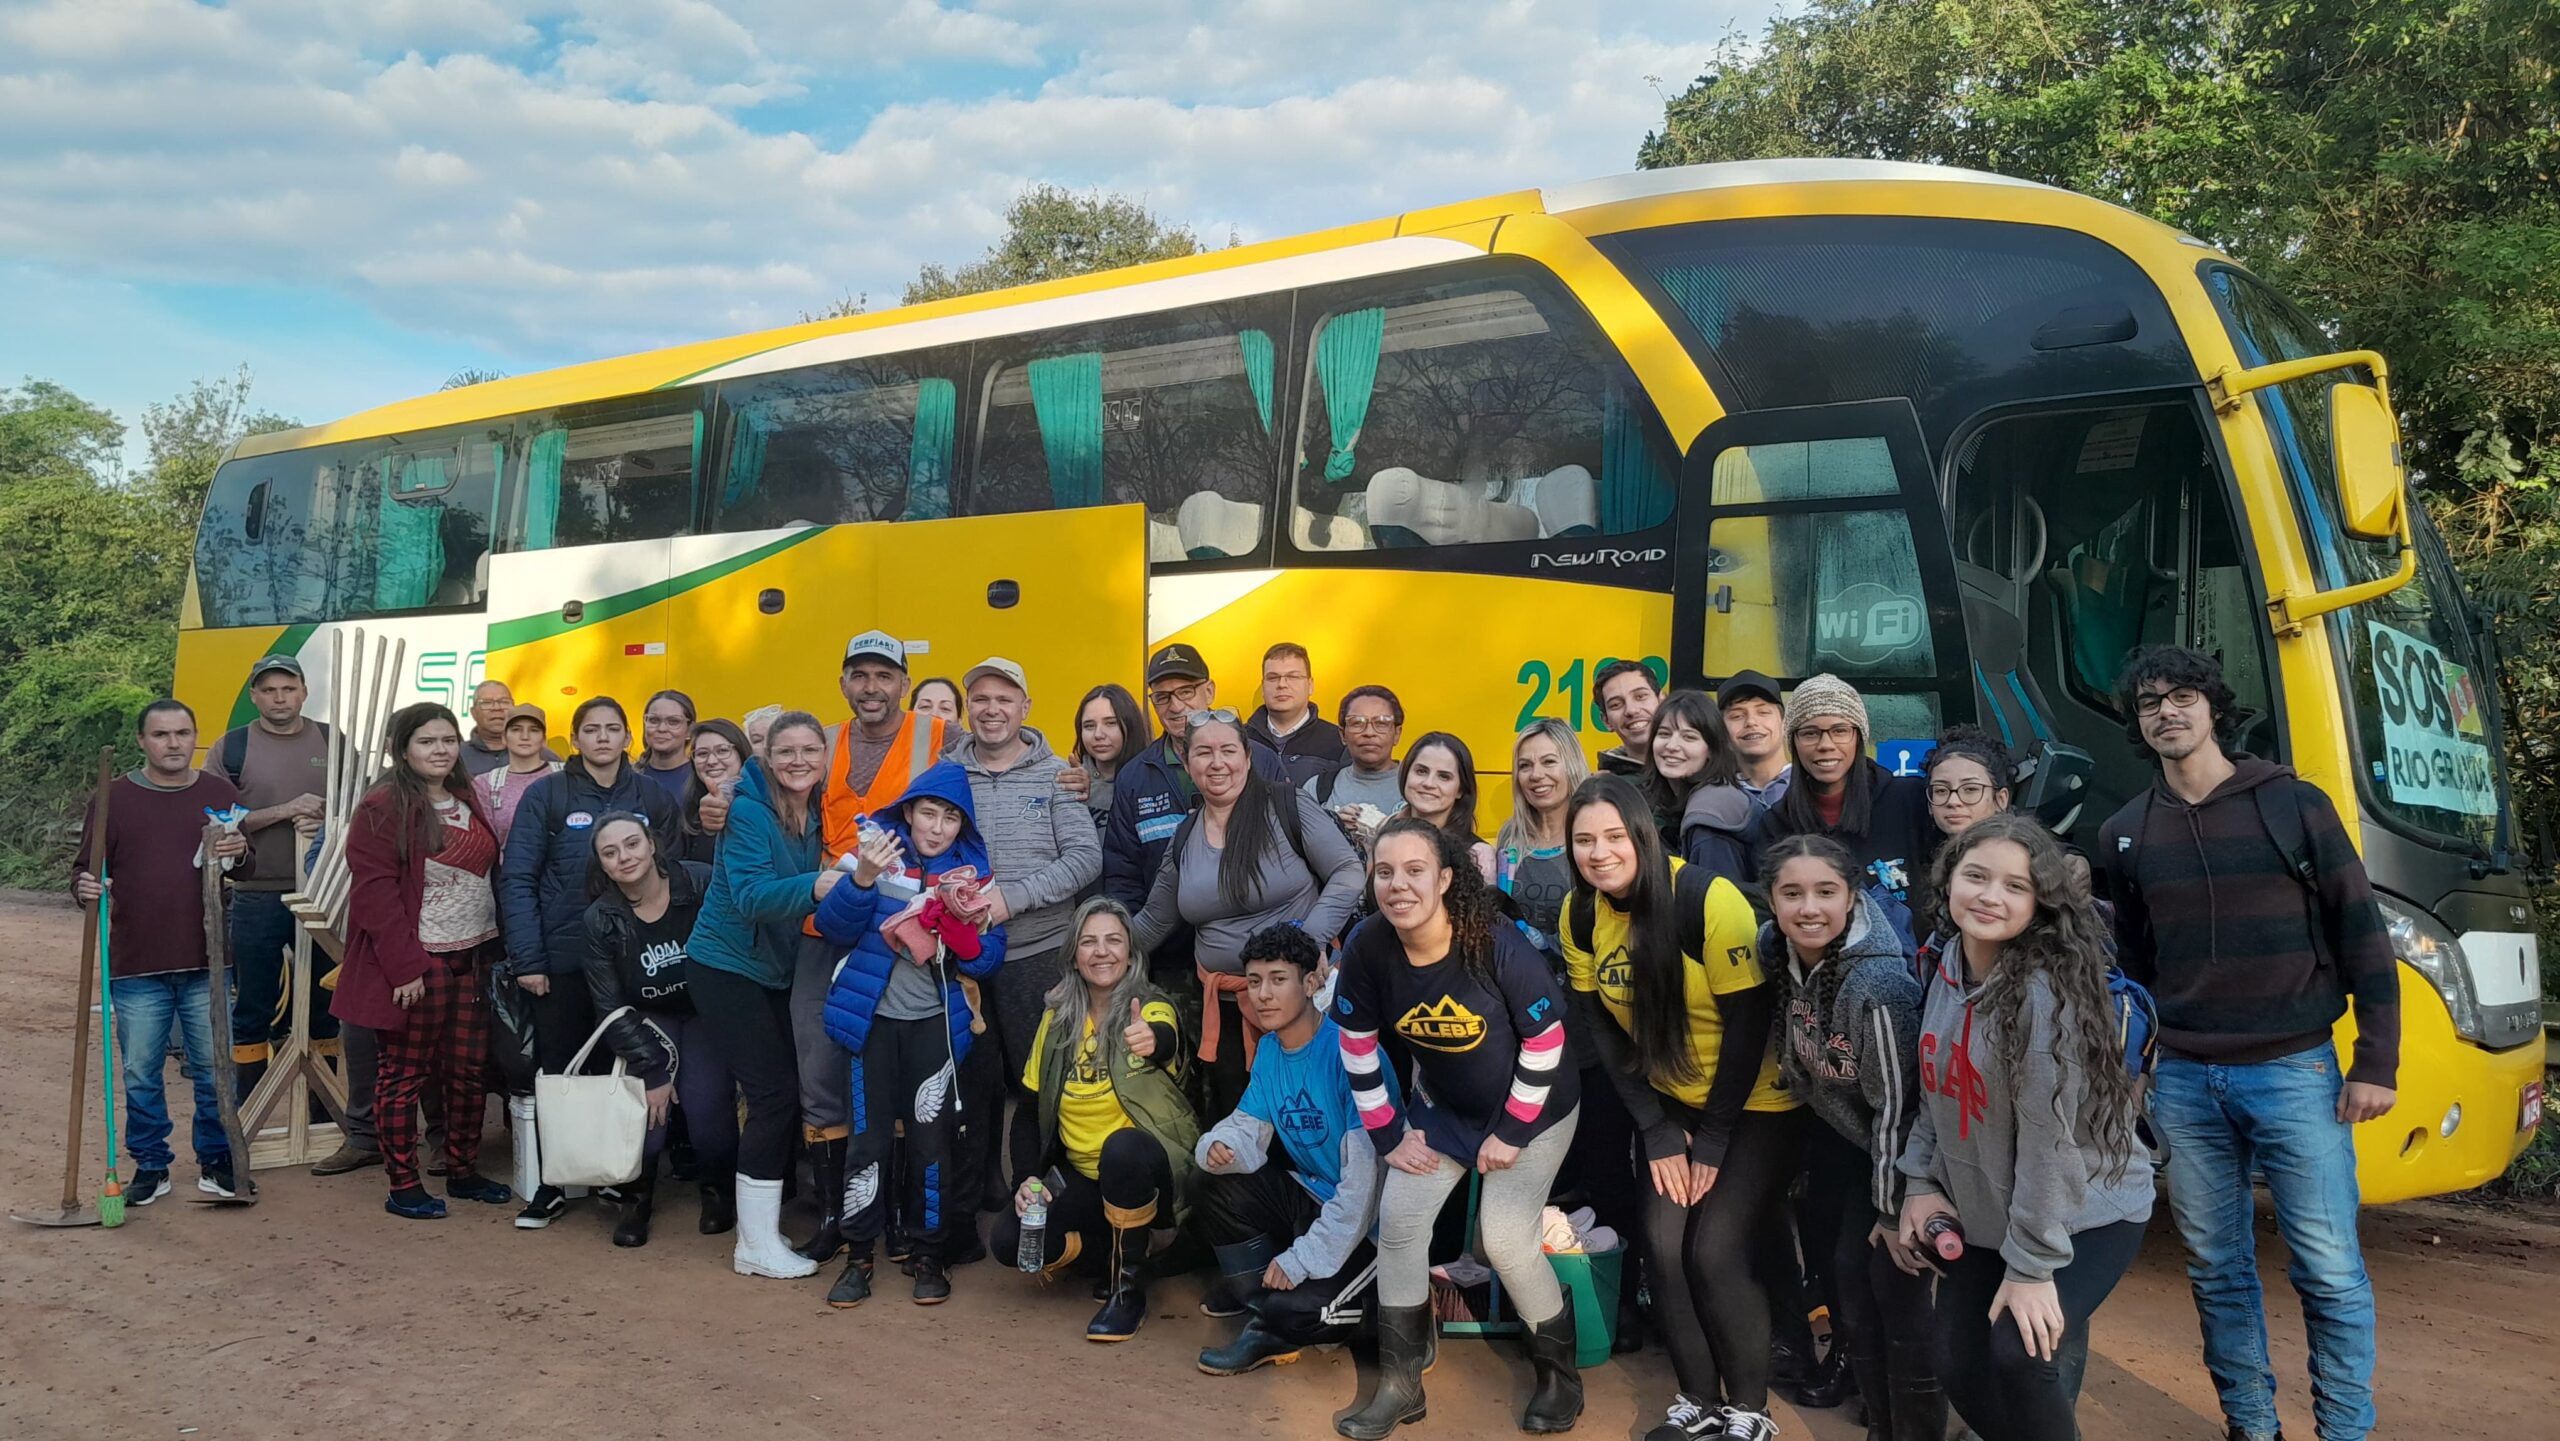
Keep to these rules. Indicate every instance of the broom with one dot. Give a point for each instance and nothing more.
(111, 1196)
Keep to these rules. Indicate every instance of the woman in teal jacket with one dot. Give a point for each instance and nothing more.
(769, 878)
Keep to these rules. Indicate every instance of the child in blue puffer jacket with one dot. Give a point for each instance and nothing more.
(907, 1024)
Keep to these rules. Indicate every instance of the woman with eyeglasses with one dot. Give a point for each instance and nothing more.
(1439, 785)
(1254, 854)
(720, 752)
(1839, 791)
(1968, 776)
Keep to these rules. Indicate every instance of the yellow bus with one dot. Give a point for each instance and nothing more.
(1960, 438)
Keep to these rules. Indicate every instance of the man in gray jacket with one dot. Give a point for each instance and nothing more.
(1044, 851)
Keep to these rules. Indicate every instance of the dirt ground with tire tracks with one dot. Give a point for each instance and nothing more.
(314, 1314)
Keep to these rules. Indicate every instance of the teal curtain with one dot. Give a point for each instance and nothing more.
(1347, 364)
(409, 535)
(929, 449)
(542, 466)
(1256, 346)
(1066, 398)
(748, 433)
(1634, 493)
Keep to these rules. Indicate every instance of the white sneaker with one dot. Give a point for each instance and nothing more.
(760, 1249)
(1741, 1425)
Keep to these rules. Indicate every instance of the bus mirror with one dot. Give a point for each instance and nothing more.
(2372, 481)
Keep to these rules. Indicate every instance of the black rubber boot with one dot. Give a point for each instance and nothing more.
(1918, 1404)
(1239, 1283)
(854, 1286)
(719, 1204)
(1405, 1342)
(1832, 1383)
(1121, 1314)
(1556, 1403)
(826, 1171)
(1252, 1349)
(639, 1199)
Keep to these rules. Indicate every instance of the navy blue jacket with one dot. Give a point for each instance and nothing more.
(1149, 798)
(851, 916)
(542, 880)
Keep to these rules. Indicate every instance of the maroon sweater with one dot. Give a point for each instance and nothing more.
(155, 918)
(2246, 962)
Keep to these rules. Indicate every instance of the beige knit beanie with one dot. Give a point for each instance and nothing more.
(1827, 697)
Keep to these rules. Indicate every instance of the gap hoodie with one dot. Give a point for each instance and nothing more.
(2245, 961)
(1848, 1041)
(851, 915)
(1042, 844)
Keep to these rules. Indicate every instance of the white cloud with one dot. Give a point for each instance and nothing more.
(558, 180)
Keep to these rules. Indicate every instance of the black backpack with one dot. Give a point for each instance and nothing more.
(1689, 887)
(2280, 811)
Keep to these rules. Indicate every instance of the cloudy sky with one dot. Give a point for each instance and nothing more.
(357, 198)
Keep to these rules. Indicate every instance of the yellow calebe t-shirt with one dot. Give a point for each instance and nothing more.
(1731, 963)
(1089, 1109)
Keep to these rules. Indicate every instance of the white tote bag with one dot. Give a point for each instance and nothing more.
(593, 1128)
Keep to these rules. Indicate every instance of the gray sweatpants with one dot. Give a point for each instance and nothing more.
(826, 1105)
(1507, 1212)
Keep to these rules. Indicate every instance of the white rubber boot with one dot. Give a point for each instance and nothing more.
(760, 1249)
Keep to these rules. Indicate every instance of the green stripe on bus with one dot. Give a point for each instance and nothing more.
(244, 709)
(525, 630)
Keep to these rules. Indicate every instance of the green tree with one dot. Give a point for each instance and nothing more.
(2395, 167)
(1050, 232)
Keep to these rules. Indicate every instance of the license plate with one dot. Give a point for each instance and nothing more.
(2529, 1107)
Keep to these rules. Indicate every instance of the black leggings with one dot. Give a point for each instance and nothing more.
(1710, 1305)
(2001, 1391)
(1879, 1313)
(1135, 1180)
(753, 1026)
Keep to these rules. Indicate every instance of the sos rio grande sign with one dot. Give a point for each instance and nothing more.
(2431, 730)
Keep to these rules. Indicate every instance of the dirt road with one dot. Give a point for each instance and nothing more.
(315, 1314)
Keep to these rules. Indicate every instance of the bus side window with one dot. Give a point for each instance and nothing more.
(410, 524)
(250, 559)
(869, 439)
(1469, 412)
(619, 471)
(1171, 411)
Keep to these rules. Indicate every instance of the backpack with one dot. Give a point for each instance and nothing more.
(2280, 811)
(1689, 887)
(1292, 828)
(2137, 1014)
(233, 751)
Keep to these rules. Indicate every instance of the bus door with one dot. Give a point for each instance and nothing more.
(1811, 540)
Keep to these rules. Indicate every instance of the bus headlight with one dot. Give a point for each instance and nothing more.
(2432, 952)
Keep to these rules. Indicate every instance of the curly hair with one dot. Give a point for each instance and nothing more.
(2175, 666)
(2064, 944)
(1283, 941)
(1975, 744)
(1471, 904)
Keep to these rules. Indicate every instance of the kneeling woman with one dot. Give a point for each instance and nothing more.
(1455, 987)
(1849, 1041)
(1115, 1134)
(637, 927)
(2025, 1133)
(1670, 991)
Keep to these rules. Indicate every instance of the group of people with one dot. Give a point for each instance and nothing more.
(1257, 994)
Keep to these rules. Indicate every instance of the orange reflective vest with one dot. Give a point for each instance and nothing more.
(915, 749)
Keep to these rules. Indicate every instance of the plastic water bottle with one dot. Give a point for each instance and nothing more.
(1033, 1255)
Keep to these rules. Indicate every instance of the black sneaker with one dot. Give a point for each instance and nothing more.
(147, 1186)
(933, 1284)
(216, 1181)
(1686, 1420)
(542, 1210)
(1741, 1425)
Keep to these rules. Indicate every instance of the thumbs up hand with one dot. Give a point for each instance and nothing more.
(1140, 1038)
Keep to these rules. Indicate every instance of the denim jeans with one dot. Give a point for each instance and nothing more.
(146, 1007)
(2279, 1119)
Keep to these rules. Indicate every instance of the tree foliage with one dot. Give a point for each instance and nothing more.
(2394, 165)
(1050, 232)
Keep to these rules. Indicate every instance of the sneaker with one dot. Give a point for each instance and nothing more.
(1686, 1420)
(1741, 1425)
(147, 1186)
(542, 1210)
(215, 1181)
(348, 1157)
(469, 1187)
(414, 1204)
(933, 1284)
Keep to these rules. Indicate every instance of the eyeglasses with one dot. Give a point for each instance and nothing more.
(1841, 735)
(1210, 717)
(1972, 793)
(2150, 701)
(1171, 699)
(1370, 723)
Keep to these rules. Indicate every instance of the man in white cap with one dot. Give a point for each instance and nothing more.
(1044, 851)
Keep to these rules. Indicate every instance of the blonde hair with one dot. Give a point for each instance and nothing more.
(1515, 833)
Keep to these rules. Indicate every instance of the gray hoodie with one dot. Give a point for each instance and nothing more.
(1041, 843)
(2007, 1151)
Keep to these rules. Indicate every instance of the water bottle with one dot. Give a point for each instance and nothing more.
(1032, 1255)
(1944, 1236)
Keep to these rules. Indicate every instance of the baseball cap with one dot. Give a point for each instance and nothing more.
(876, 645)
(996, 665)
(1744, 684)
(284, 663)
(526, 711)
(1176, 662)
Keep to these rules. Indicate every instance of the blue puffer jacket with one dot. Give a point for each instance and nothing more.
(762, 887)
(542, 879)
(851, 916)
